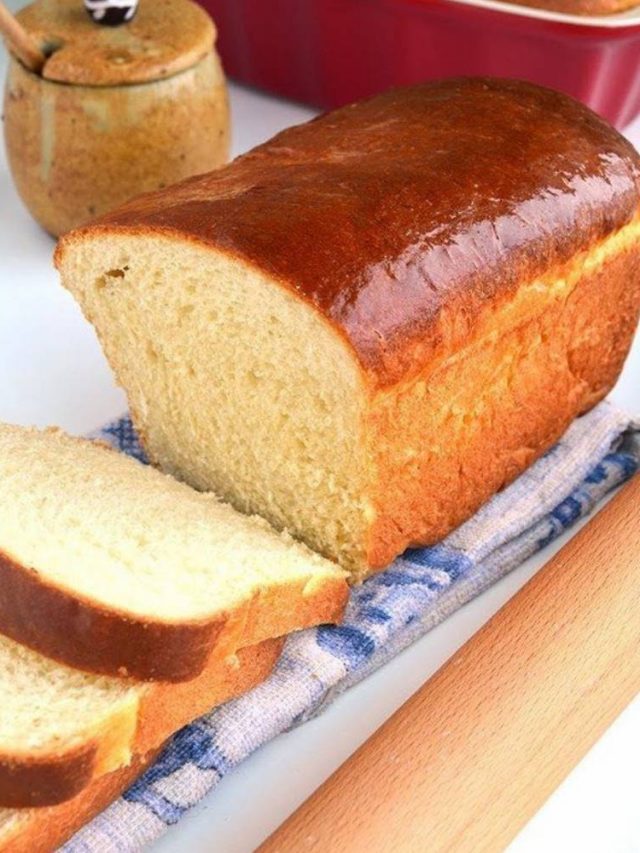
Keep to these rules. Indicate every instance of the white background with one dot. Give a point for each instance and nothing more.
(53, 372)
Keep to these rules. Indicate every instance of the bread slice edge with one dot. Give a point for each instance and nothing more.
(146, 716)
(41, 830)
(83, 633)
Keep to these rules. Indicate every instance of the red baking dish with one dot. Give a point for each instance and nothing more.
(330, 52)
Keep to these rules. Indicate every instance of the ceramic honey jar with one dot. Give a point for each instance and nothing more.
(116, 111)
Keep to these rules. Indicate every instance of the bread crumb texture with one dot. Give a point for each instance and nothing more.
(109, 530)
(237, 385)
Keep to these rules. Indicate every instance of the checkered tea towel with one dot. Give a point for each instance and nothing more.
(385, 614)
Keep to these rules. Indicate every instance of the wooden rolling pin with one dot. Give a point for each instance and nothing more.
(465, 763)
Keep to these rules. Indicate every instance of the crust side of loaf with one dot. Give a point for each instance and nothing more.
(385, 214)
(42, 830)
(134, 728)
(477, 421)
(82, 633)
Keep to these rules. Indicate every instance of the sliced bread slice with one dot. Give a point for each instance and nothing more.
(61, 728)
(42, 830)
(113, 567)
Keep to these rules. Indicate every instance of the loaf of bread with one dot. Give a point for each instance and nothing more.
(365, 327)
(112, 567)
(60, 728)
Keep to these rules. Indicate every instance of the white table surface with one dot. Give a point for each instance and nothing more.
(53, 372)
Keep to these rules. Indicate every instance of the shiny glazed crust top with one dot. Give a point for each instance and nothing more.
(400, 214)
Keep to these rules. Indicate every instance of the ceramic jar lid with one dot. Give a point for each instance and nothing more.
(165, 37)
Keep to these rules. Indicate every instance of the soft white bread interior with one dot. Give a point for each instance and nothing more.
(233, 381)
(61, 728)
(48, 707)
(109, 565)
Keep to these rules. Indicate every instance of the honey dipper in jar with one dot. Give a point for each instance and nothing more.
(114, 110)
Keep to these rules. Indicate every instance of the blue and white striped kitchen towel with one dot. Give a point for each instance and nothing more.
(385, 614)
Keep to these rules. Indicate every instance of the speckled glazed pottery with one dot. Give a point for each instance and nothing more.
(116, 112)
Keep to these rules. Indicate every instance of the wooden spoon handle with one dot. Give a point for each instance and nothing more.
(20, 42)
(478, 749)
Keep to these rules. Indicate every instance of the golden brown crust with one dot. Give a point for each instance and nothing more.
(44, 829)
(164, 38)
(85, 634)
(47, 780)
(561, 362)
(392, 215)
(165, 708)
(44, 780)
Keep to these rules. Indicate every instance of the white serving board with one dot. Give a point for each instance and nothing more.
(53, 372)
